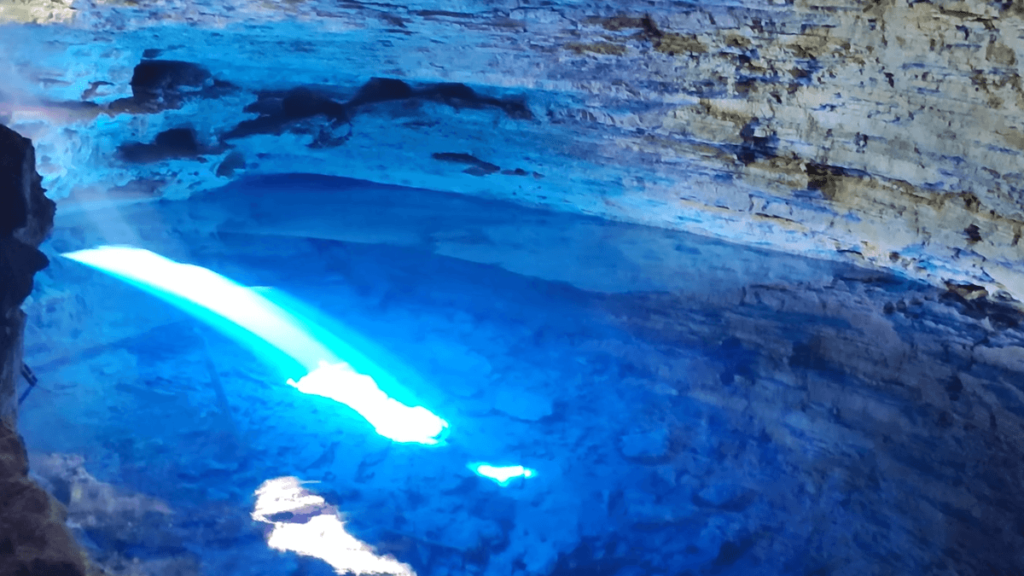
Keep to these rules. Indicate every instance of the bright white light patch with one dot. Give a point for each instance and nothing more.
(390, 418)
(226, 305)
(183, 284)
(502, 475)
(314, 528)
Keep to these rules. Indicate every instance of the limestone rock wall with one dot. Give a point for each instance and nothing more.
(880, 131)
(33, 538)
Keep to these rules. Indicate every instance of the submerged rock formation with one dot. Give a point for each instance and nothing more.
(776, 416)
(33, 538)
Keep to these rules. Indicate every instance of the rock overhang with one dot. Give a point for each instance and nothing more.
(876, 132)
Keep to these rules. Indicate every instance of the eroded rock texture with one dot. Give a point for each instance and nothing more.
(33, 538)
(881, 131)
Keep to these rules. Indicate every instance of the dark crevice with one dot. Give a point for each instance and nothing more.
(477, 167)
(283, 111)
(173, 143)
(756, 147)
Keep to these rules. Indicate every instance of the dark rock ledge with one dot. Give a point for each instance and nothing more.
(34, 540)
(323, 114)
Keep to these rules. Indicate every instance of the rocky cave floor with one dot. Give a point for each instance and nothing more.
(802, 418)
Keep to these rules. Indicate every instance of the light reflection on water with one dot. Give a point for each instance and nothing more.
(731, 412)
(245, 314)
(304, 523)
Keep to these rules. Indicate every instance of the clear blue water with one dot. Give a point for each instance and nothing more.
(690, 407)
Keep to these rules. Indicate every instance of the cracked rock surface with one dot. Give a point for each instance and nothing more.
(882, 132)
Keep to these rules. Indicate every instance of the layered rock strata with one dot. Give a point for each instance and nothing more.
(883, 132)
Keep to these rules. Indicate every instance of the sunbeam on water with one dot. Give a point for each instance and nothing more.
(389, 417)
(502, 475)
(244, 314)
(305, 524)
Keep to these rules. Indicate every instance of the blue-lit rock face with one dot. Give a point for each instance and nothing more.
(683, 405)
(803, 126)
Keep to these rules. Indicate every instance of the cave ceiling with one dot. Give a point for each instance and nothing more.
(884, 133)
